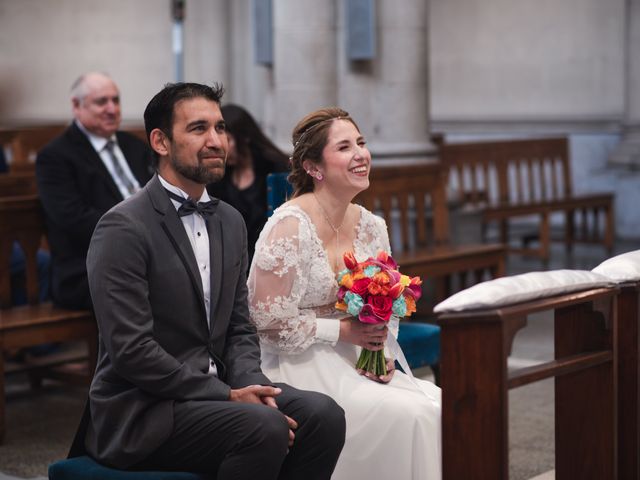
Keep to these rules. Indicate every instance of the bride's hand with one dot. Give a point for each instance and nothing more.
(371, 337)
(391, 369)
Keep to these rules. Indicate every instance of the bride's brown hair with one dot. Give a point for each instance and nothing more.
(309, 138)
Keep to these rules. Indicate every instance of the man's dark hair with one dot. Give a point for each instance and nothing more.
(159, 111)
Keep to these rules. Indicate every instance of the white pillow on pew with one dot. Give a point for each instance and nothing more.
(621, 268)
(519, 288)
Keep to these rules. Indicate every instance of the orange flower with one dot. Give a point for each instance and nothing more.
(374, 288)
(341, 306)
(411, 305)
(381, 278)
(347, 280)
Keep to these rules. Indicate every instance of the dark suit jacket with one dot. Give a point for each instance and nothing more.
(155, 342)
(76, 189)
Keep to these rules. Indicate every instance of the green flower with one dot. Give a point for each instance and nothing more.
(399, 307)
(371, 270)
(354, 303)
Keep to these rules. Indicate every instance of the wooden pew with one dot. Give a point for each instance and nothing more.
(426, 247)
(24, 143)
(21, 220)
(518, 178)
(475, 384)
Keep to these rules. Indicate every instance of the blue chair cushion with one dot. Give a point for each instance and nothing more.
(85, 468)
(420, 343)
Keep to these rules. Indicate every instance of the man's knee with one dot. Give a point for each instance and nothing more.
(327, 416)
(269, 432)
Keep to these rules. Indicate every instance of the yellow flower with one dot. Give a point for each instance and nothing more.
(405, 281)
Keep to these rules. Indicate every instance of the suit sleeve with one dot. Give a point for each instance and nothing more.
(120, 293)
(242, 347)
(60, 196)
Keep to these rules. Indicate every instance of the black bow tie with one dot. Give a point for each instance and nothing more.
(188, 206)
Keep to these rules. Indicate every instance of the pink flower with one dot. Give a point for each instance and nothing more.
(341, 292)
(366, 315)
(387, 260)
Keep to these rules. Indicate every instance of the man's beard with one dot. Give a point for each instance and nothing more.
(197, 173)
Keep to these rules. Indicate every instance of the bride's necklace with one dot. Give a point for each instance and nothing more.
(335, 229)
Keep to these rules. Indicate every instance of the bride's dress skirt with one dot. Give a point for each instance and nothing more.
(393, 430)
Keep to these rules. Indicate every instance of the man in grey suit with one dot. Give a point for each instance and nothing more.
(178, 384)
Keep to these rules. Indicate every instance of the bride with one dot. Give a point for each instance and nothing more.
(393, 421)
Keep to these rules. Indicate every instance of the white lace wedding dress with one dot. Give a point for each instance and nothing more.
(393, 430)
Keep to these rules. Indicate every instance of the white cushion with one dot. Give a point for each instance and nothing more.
(518, 288)
(621, 268)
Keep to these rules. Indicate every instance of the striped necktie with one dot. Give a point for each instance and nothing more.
(118, 170)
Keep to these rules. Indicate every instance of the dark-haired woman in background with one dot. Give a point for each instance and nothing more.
(251, 157)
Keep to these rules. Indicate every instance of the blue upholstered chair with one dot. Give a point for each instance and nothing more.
(420, 342)
(85, 468)
(279, 190)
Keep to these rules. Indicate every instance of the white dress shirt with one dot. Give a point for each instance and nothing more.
(196, 228)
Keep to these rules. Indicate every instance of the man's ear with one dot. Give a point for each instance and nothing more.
(159, 142)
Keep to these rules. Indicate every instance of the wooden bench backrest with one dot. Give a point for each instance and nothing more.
(511, 171)
(15, 184)
(21, 220)
(399, 189)
(24, 144)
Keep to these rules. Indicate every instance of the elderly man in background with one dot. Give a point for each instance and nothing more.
(83, 173)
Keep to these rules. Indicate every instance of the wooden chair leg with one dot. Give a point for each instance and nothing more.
(545, 237)
(569, 230)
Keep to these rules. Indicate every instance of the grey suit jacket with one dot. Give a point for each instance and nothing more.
(155, 343)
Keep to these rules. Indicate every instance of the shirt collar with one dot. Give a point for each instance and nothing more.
(98, 143)
(178, 191)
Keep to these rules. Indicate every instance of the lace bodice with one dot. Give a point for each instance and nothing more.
(291, 284)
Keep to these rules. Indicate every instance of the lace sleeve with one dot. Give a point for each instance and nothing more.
(277, 281)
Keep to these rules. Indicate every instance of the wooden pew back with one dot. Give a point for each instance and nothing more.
(407, 188)
(513, 171)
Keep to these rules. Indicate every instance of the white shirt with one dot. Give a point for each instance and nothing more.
(196, 228)
(99, 144)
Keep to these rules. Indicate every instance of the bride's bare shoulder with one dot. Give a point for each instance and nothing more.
(303, 202)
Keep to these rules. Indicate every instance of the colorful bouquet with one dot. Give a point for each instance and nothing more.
(372, 291)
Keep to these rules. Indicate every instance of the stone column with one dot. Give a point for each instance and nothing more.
(628, 152)
(206, 34)
(304, 67)
(389, 95)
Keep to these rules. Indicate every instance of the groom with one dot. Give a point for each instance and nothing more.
(178, 384)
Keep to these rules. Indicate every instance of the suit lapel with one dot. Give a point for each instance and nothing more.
(173, 227)
(82, 141)
(216, 256)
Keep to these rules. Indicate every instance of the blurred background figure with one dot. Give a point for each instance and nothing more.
(252, 156)
(81, 174)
